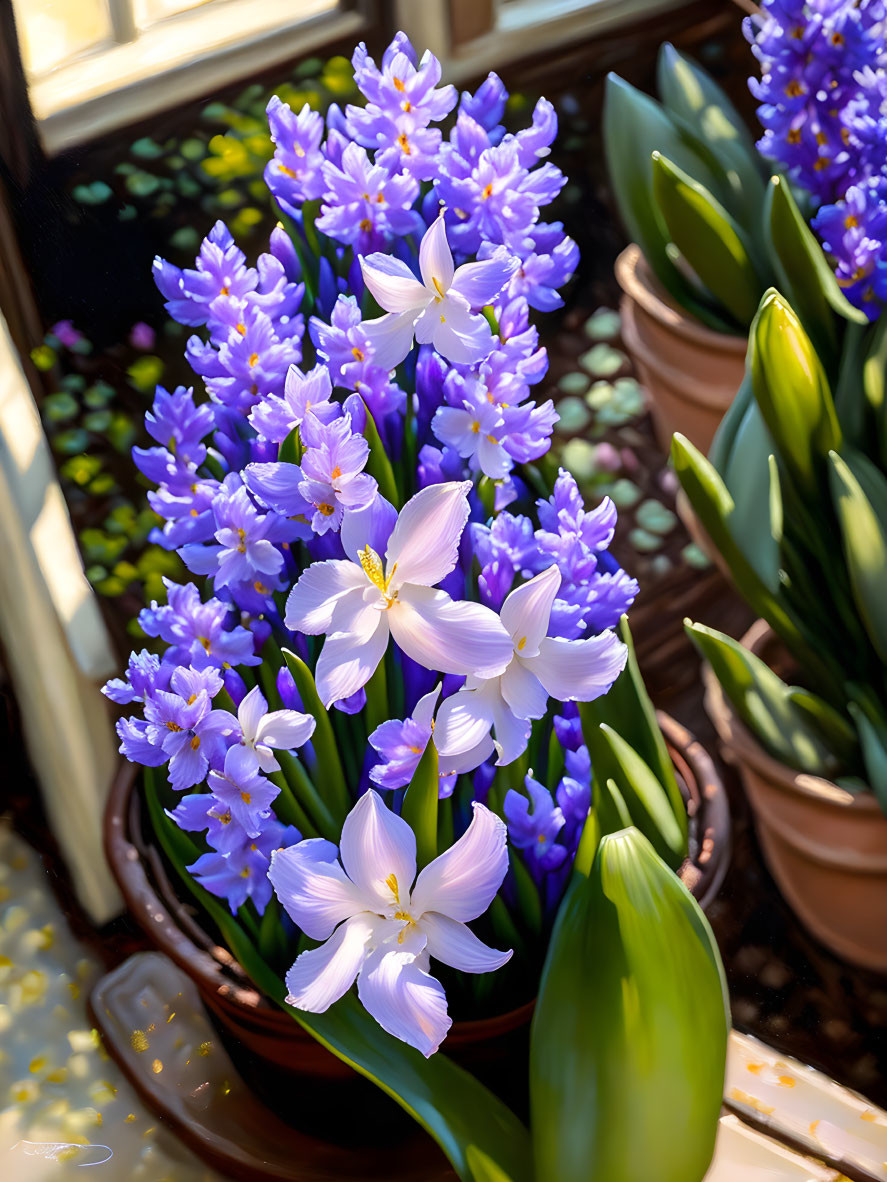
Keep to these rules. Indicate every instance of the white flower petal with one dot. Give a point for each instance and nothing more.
(454, 944)
(524, 695)
(285, 729)
(436, 259)
(407, 1002)
(250, 713)
(423, 712)
(467, 761)
(480, 283)
(424, 545)
(350, 658)
(322, 975)
(313, 888)
(378, 852)
(458, 334)
(391, 337)
(462, 882)
(527, 610)
(462, 722)
(313, 601)
(370, 526)
(393, 284)
(579, 670)
(510, 733)
(449, 636)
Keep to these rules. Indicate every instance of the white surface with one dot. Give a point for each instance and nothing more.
(55, 642)
(64, 1105)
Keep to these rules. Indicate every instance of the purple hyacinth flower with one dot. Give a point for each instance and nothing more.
(183, 724)
(199, 634)
(241, 873)
(144, 675)
(294, 173)
(243, 789)
(535, 831)
(365, 206)
(303, 394)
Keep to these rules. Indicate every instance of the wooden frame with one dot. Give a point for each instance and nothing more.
(177, 60)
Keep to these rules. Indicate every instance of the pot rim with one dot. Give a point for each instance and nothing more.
(707, 397)
(219, 973)
(634, 276)
(742, 744)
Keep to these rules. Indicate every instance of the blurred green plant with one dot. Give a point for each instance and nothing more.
(92, 418)
(794, 496)
(214, 168)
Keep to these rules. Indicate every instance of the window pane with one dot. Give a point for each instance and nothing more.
(54, 31)
(148, 12)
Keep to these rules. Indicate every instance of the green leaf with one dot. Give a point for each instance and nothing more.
(802, 270)
(629, 1037)
(709, 239)
(784, 719)
(634, 127)
(420, 805)
(747, 476)
(714, 506)
(323, 740)
(627, 709)
(645, 797)
(873, 742)
(792, 391)
(291, 448)
(859, 491)
(378, 465)
(483, 1168)
(697, 103)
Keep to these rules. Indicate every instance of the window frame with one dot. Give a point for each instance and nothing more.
(473, 36)
(201, 49)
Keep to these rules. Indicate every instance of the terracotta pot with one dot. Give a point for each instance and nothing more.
(826, 848)
(272, 1051)
(692, 373)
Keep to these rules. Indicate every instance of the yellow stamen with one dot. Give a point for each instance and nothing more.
(440, 291)
(391, 883)
(195, 743)
(521, 644)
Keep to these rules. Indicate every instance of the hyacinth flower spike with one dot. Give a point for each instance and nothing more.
(381, 928)
(540, 666)
(438, 308)
(358, 603)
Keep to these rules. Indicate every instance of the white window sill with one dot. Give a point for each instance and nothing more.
(178, 60)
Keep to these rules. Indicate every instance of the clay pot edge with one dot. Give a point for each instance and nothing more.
(637, 280)
(741, 745)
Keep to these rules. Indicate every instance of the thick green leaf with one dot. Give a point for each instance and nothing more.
(627, 709)
(645, 797)
(629, 1037)
(697, 103)
(708, 238)
(332, 786)
(873, 742)
(859, 490)
(792, 391)
(291, 448)
(483, 1168)
(420, 805)
(722, 445)
(378, 465)
(748, 477)
(802, 270)
(765, 705)
(714, 505)
(634, 127)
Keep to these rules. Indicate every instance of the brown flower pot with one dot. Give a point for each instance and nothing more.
(692, 373)
(826, 848)
(272, 1051)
